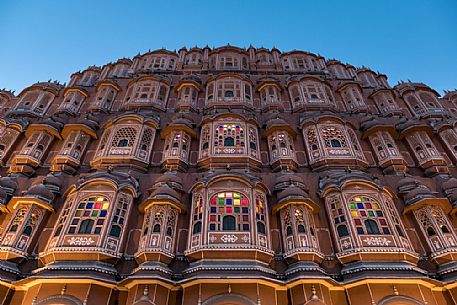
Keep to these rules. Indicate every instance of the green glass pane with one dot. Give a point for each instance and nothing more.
(370, 213)
(236, 195)
(94, 213)
(353, 206)
(221, 201)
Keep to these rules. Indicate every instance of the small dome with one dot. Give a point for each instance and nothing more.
(52, 182)
(407, 183)
(171, 179)
(452, 197)
(91, 123)
(40, 191)
(8, 183)
(292, 192)
(288, 178)
(417, 194)
(164, 191)
(450, 184)
(276, 122)
(3, 196)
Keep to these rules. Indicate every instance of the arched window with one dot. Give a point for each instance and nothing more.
(342, 230)
(431, 231)
(228, 223)
(301, 229)
(229, 93)
(229, 141)
(123, 143)
(335, 143)
(169, 231)
(260, 227)
(289, 230)
(86, 226)
(232, 204)
(197, 227)
(444, 229)
(156, 228)
(27, 230)
(372, 227)
(115, 231)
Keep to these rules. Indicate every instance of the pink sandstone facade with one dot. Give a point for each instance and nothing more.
(228, 176)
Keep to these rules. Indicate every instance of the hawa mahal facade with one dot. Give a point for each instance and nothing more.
(228, 176)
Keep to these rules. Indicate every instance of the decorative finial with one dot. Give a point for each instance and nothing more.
(229, 288)
(146, 290)
(313, 293)
(64, 289)
(395, 290)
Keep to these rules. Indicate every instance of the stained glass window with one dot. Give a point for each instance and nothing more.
(287, 223)
(205, 138)
(367, 214)
(171, 220)
(18, 219)
(95, 208)
(158, 220)
(252, 138)
(229, 135)
(229, 203)
(333, 137)
(338, 216)
(120, 215)
(312, 138)
(260, 214)
(198, 210)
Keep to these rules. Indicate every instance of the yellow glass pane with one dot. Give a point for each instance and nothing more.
(236, 201)
(100, 198)
(105, 206)
(358, 199)
(221, 195)
(354, 213)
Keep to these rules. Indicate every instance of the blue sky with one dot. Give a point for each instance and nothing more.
(406, 39)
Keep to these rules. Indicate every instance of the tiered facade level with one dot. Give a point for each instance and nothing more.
(228, 176)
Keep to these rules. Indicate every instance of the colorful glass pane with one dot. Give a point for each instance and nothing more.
(364, 207)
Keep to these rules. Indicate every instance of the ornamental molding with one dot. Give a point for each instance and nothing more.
(80, 241)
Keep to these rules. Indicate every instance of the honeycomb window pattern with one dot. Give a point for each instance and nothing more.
(333, 137)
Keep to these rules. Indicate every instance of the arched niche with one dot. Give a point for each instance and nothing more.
(60, 300)
(399, 300)
(229, 299)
